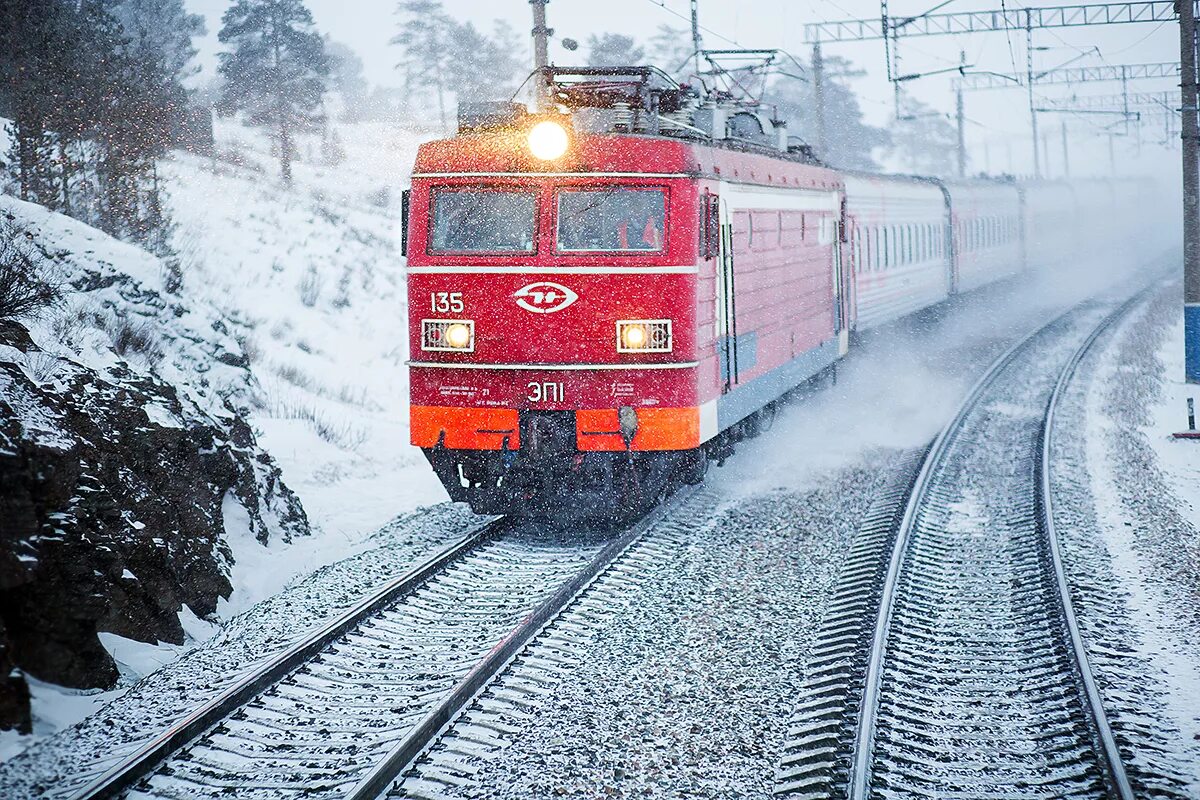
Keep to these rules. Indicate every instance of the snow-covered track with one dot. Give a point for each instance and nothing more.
(129, 768)
(950, 663)
(389, 771)
(344, 712)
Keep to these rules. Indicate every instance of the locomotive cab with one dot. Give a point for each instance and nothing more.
(552, 313)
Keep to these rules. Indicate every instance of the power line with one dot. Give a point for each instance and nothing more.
(1012, 55)
(688, 19)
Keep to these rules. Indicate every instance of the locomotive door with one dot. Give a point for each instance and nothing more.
(841, 283)
(726, 302)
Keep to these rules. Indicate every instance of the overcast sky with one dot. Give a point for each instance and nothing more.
(999, 128)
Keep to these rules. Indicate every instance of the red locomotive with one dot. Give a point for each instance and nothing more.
(607, 296)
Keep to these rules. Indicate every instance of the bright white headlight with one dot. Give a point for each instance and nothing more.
(458, 335)
(644, 336)
(548, 140)
(448, 335)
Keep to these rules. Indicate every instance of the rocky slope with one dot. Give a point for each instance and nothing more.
(124, 457)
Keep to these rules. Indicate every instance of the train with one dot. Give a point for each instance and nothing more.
(609, 292)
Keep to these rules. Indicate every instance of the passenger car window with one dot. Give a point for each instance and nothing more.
(483, 221)
(611, 220)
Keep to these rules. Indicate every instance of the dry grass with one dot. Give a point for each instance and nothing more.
(343, 433)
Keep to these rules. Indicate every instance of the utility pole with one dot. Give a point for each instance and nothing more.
(887, 50)
(896, 67)
(696, 43)
(1125, 95)
(961, 116)
(963, 133)
(818, 67)
(541, 57)
(1191, 194)
(1066, 157)
(1037, 163)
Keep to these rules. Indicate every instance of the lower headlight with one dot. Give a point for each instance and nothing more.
(454, 335)
(644, 336)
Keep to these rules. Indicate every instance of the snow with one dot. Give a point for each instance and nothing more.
(1179, 459)
(312, 282)
(307, 286)
(124, 718)
(1158, 595)
(260, 572)
(899, 385)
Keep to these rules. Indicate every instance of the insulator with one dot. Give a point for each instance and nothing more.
(622, 116)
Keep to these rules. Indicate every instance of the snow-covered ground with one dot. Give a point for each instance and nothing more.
(114, 292)
(307, 286)
(313, 282)
(1179, 459)
(1134, 544)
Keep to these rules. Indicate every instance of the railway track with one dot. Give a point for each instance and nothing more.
(950, 663)
(346, 710)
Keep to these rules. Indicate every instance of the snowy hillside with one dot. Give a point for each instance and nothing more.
(312, 281)
(131, 481)
(289, 327)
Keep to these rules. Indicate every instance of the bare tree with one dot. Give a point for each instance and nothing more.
(25, 287)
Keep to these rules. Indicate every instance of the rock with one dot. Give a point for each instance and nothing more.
(104, 475)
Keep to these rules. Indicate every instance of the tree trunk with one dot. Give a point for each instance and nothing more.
(441, 104)
(65, 174)
(285, 154)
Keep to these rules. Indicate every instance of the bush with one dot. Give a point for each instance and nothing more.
(135, 338)
(25, 289)
(310, 287)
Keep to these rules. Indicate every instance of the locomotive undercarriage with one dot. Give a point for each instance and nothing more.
(548, 477)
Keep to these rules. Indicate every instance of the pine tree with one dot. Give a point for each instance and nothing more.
(849, 142)
(425, 57)
(162, 29)
(34, 39)
(93, 107)
(614, 50)
(672, 50)
(923, 140)
(346, 77)
(276, 70)
(485, 68)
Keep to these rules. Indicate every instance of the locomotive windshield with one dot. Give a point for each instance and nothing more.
(611, 220)
(483, 221)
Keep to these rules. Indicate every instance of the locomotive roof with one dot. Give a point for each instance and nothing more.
(506, 153)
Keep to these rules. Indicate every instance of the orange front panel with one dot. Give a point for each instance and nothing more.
(658, 429)
(465, 428)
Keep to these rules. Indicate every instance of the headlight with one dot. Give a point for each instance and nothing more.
(548, 140)
(644, 336)
(456, 335)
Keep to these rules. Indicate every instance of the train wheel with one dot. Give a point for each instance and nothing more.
(766, 417)
(694, 467)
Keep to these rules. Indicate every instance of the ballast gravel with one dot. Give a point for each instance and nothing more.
(687, 689)
(155, 702)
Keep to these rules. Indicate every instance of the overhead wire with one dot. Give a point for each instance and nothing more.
(1012, 54)
(661, 4)
(1156, 29)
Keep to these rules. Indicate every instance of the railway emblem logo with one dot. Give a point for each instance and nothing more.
(544, 297)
